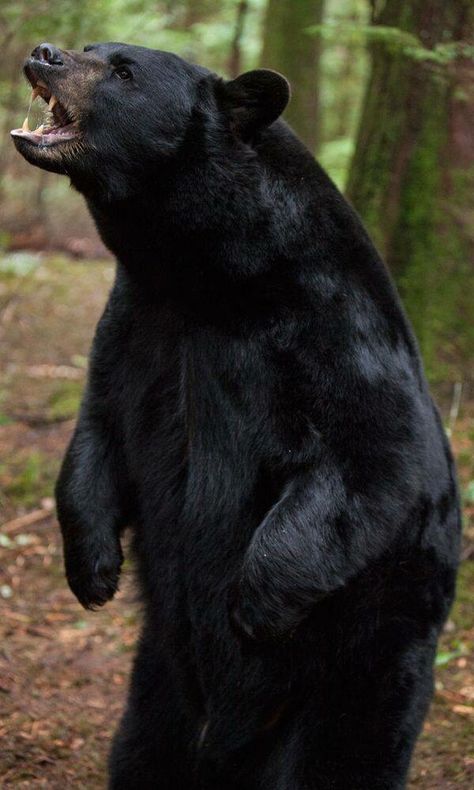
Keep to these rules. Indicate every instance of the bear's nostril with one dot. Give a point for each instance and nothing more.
(48, 54)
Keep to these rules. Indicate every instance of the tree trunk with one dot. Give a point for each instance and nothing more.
(235, 51)
(196, 11)
(289, 49)
(412, 176)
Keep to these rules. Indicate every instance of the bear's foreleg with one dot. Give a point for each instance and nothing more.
(92, 508)
(311, 543)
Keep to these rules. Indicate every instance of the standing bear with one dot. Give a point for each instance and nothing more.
(257, 414)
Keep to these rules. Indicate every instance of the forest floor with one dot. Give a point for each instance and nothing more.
(63, 672)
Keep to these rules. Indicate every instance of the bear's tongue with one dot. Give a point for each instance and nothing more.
(56, 125)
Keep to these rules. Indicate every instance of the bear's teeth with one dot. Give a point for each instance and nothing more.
(53, 100)
(39, 130)
(34, 94)
(25, 126)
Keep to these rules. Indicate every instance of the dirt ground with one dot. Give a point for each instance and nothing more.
(63, 672)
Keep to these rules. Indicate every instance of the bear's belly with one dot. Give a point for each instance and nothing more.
(201, 493)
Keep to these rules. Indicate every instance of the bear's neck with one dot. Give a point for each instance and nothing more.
(216, 260)
(230, 214)
(188, 233)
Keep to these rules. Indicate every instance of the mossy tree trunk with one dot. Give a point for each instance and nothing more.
(289, 49)
(412, 176)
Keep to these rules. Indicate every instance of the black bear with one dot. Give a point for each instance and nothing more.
(257, 414)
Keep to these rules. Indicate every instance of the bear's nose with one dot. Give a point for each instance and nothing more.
(48, 54)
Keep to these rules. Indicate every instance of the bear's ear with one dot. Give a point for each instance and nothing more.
(254, 100)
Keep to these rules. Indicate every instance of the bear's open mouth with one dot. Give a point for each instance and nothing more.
(58, 124)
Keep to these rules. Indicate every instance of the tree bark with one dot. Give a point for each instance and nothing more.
(412, 176)
(289, 49)
(235, 50)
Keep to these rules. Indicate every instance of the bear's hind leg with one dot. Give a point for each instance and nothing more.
(154, 746)
(359, 734)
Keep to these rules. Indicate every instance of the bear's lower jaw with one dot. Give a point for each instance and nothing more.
(56, 158)
(48, 137)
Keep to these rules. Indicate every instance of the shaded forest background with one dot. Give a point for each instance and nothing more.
(383, 94)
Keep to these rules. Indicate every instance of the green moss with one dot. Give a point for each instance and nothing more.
(415, 250)
(371, 185)
(413, 190)
(426, 250)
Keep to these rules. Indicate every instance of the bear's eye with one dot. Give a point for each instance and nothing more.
(123, 73)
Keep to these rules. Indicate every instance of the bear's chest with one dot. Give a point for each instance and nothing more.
(192, 403)
(203, 417)
(196, 430)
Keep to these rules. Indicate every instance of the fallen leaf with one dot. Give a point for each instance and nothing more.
(463, 710)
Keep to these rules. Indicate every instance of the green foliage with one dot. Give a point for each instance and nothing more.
(412, 177)
(395, 40)
(335, 157)
(31, 479)
(64, 401)
(444, 657)
(462, 612)
(344, 67)
(362, 34)
(469, 493)
(193, 29)
(4, 240)
(436, 276)
(65, 20)
(19, 264)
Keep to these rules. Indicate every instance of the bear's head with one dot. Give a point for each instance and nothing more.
(119, 115)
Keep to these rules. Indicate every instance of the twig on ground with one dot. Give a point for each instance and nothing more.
(454, 410)
(27, 520)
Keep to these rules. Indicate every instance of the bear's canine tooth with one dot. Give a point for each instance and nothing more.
(34, 93)
(53, 100)
(39, 130)
(25, 126)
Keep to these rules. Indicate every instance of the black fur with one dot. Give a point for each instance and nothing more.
(258, 413)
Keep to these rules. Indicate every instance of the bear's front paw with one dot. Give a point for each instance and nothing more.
(93, 576)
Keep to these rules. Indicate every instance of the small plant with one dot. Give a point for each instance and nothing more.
(469, 493)
(31, 479)
(19, 264)
(444, 657)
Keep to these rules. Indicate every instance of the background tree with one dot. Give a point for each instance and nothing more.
(288, 48)
(342, 76)
(235, 58)
(199, 30)
(412, 176)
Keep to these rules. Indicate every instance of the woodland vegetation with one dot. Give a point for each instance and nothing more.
(383, 94)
